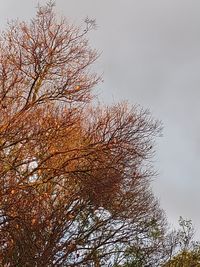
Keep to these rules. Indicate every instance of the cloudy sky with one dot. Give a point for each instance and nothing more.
(150, 56)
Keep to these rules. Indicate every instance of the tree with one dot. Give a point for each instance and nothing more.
(186, 252)
(185, 259)
(75, 177)
(160, 246)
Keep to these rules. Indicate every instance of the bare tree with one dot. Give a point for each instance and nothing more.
(75, 178)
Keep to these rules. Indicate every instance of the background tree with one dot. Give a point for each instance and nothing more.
(75, 177)
(186, 251)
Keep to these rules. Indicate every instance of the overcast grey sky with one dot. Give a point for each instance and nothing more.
(150, 56)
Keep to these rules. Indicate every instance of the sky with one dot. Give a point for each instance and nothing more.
(151, 57)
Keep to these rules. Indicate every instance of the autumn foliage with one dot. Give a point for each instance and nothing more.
(75, 176)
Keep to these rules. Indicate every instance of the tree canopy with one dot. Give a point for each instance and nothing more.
(75, 175)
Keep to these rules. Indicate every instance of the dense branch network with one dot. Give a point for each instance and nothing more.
(75, 178)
